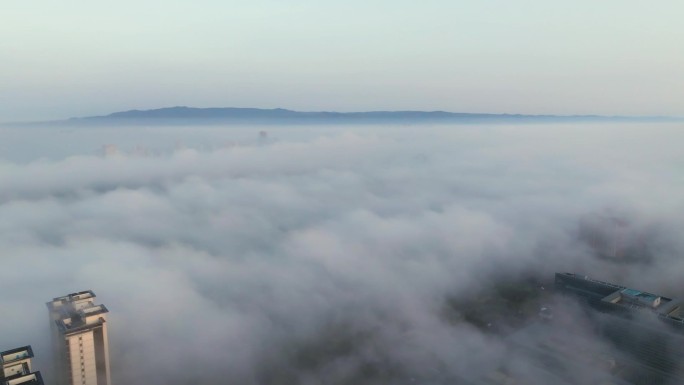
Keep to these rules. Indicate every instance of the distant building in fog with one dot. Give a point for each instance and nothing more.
(81, 347)
(613, 236)
(16, 367)
(110, 150)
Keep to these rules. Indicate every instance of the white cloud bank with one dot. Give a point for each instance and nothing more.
(329, 258)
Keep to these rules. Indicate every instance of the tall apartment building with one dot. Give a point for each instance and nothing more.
(81, 347)
(16, 367)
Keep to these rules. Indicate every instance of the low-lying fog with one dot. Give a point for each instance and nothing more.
(308, 255)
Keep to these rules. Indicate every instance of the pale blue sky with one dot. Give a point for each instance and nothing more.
(72, 57)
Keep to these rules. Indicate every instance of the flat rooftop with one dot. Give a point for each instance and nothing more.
(16, 354)
(664, 307)
(77, 311)
(76, 296)
(72, 297)
(83, 327)
(76, 319)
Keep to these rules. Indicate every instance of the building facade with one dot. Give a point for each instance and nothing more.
(646, 327)
(16, 367)
(80, 342)
(612, 298)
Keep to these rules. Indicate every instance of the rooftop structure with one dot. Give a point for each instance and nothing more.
(647, 328)
(79, 329)
(77, 312)
(16, 367)
(609, 296)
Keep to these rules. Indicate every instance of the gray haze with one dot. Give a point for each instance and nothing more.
(317, 255)
(80, 58)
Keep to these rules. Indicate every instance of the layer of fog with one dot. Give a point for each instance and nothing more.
(316, 254)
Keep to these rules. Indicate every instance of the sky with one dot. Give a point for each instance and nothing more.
(80, 58)
(334, 254)
(325, 254)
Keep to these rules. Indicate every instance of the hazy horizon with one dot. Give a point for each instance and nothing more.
(529, 57)
(373, 252)
(115, 118)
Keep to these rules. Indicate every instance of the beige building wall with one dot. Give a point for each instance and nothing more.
(80, 340)
(82, 353)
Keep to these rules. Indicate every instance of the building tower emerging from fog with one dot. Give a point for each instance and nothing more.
(16, 367)
(79, 331)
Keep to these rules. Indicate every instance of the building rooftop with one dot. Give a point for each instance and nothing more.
(77, 311)
(16, 367)
(625, 298)
(16, 354)
(88, 310)
(76, 296)
(81, 296)
(77, 328)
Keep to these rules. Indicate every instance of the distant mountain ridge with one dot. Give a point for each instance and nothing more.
(182, 115)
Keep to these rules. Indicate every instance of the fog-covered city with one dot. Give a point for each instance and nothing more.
(319, 192)
(323, 254)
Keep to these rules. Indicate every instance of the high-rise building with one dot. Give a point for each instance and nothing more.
(81, 347)
(16, 367)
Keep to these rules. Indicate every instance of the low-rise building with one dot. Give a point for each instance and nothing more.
(648, 328)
